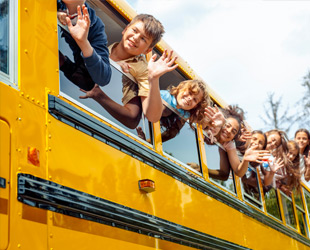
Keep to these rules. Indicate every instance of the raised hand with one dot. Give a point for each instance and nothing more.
(214, 119)
(93, 93)
(277, 164)
(253, 155)
(164, 64)
(79, 32)
(245, 135)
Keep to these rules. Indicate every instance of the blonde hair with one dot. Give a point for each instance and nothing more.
(194, 86)
(153, 28)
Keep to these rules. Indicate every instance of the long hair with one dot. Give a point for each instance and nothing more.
(292, 174)
(307, 148)
(194, 86)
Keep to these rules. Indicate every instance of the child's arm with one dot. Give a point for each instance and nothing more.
(129, 115)
(251, 155)
(214, 119)
(152, 105)
(93, 46)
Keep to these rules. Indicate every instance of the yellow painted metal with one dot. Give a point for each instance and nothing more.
(76, 160)
(5, 174)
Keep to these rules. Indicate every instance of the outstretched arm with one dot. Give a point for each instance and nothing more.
(152, 105)
(251, 155)
(129, 115)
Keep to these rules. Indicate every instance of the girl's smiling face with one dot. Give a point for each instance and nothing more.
(273, 141)
(258, 139)
(187, 100)
(302, 139)
(229, 130)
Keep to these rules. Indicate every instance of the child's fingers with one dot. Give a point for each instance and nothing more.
(153, 58)
(79, 12)
(172, 62)
(69, 24)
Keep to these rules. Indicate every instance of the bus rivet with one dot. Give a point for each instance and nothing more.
(26, 9)
(19, 169)
(27, 96)
(43, 105)
(32, 99)
(50, 136)
(49, 148)
(19, 105)
(57, 70)
(51, 235)
(19, 118)
(22, 93)
(26, 51)
(50, 177)
(38, 102)
(49, 121)
(18, 245)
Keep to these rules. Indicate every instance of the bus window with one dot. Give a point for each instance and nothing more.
(219, 168)
(113, 90)
(4, 36)
(288, 210)
(250, 187)
(272, 203)
(182, 147)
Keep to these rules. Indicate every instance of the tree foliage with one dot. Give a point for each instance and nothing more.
(303, 114)
(275, 116)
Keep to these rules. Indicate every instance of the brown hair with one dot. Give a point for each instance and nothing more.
(153, 28)
(194, 86)
(292, 172)
(307, 148)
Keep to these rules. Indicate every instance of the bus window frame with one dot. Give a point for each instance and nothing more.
(283, 195)
(101, 117)
(200, 174)
(245, 196)
(11, 78)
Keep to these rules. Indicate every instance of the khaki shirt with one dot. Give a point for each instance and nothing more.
(138, 69)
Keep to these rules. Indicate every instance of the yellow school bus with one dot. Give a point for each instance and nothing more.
(73, 177)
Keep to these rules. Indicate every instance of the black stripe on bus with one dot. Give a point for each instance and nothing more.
(51, 196)
(78, 119)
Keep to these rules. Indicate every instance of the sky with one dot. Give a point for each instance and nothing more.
(242, 49)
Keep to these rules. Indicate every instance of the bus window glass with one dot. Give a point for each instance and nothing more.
(183, 147)
(219, 168)
(4, 36)
(288, 210)
(272, 203)
(250, 187)
(302, 222)
(113, 90)
(307, 199)
(298, 199)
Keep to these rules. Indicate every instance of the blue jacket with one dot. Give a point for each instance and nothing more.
(97, 64)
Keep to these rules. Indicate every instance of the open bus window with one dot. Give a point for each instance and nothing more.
(250, 187)
(288, 210)
(4, 36)
(183, 148)
(219, 169)
(113, 90)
